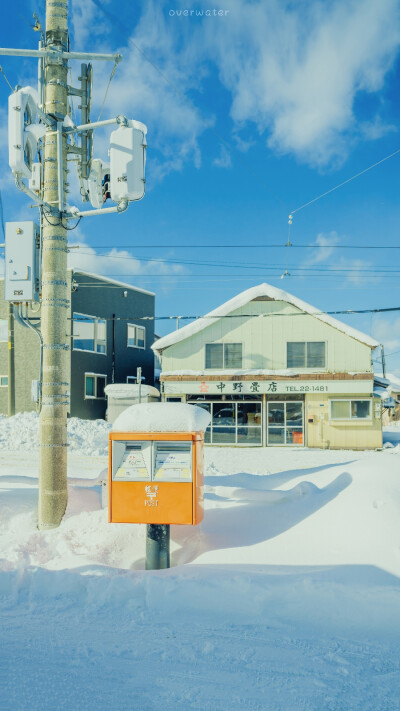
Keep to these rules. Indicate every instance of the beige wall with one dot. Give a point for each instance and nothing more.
(264, 340)
(27, 356)
(346, 434)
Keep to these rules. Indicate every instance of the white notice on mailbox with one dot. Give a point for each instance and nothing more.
(133, 466)
(173, 462)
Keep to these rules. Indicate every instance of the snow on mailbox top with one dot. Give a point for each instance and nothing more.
(162, 417)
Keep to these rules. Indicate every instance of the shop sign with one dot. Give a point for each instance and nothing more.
(268, 387)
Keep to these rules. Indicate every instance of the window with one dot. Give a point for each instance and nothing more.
(3, 330)
(350, 409)
(3, 381)
(89, 334)
(94, 386)
(136, 336)
(306, 355)
(232, 422)
(223, 355)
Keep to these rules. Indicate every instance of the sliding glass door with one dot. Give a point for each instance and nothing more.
(285, 423)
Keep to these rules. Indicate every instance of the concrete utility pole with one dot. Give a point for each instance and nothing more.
(55, 303)
(11, 362)
(383, 360)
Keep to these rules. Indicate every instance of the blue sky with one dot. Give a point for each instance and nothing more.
(250, 115)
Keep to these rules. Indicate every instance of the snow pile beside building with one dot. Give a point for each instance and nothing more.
(163, 417)
(21, 433)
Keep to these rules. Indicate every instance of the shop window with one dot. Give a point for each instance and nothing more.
(3, 381)
(302, 354)
(223, 355)
(3, 330)
(350, 409)
(233, 422)
(94, 386)
(136, 336)
(89, 334)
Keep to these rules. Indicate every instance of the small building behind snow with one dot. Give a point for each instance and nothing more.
(275, 371)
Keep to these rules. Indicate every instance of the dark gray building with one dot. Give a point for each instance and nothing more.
(112, 330)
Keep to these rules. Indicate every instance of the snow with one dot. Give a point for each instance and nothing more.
(162, 417)
(289, 372)
(122, 391)
(285, 598)
(21, 433)
(244, 298)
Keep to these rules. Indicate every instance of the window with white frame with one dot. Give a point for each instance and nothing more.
(305, 354)
(3, 381)
(89, 334)
(94, 386)
(350, 409)
(223, 355)
(136, 336)
(3, 330)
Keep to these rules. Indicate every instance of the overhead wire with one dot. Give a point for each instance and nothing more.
(107, 88)
(340, 185)
(239, 246)
(4, 75)
(216, 317)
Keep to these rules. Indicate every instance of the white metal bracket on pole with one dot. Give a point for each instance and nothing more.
(121, 120)
(21, 186)
(60, 171)
(59, 56)
(121, 207)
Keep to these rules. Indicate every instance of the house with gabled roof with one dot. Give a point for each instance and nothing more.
(275, 371)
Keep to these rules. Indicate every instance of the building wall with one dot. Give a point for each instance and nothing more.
(264, 340)
(27, 359)
(96, 298)
(334, 434)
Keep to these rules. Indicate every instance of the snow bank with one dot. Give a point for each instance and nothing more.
(163, 417)
(21, 433)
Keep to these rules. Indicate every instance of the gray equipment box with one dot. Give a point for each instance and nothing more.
(22, 273)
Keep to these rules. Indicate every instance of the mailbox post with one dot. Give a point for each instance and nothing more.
(156, 471)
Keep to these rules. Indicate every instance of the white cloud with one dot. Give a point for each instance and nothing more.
(295, 69)
(358, 273)
(387, 331)
(224, 160)
(118, 264)
(139, 91)
(325, 248)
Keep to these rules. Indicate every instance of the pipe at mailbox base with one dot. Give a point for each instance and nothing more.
(157, 546)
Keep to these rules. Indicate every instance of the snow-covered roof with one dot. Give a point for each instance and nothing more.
(162, 417)
(244, 298)
(122, 391)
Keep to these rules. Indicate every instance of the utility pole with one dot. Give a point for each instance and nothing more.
(55, 303)
(383, 360)
(11, 362)
(36, 127)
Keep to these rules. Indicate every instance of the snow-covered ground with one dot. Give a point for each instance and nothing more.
(286, 597)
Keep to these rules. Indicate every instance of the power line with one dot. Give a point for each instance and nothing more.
(348, 312)
(248, 265)
(239, 246)
(357, 175)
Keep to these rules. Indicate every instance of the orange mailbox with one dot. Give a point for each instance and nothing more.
(155, 477)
